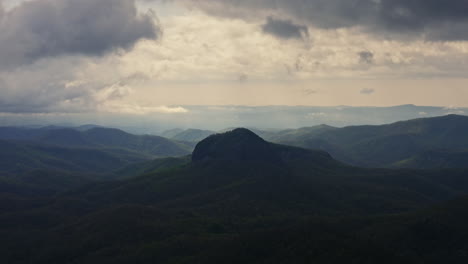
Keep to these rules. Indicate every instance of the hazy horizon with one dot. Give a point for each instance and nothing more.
(221, 117)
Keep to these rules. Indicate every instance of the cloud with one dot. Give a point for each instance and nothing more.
(309, 91)
(459, 112)
(171, 109)
(284, 29)
(69, 85)
(366, 57)
(134, 109)
(2, 11)
(207, 54)
(429, 19)
(316, 115)
(451, 107)
(35, 91)
(243, 77)
(48, 28)
(367, 91)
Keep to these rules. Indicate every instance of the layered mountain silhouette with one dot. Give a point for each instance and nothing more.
(90, 150)
(238, 168)
(187, 135)
(20, 157)
(96, 137)
(239, 199)
(113, 138)
(423, 143)
(392, 145)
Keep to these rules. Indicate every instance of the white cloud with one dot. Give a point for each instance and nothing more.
(205, 48)
(316, 115)
(457, 112)
(132, 109)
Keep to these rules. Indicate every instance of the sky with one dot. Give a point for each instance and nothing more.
(157, 57)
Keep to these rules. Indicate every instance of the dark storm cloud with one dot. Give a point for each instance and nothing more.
(47, 28)
(366, 57)
(431, 19)
(284, 29)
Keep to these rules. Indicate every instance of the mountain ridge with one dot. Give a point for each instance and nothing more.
(239, 144)
(382, 145)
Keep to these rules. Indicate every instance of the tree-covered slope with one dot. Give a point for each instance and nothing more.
(98, 137)
(244, 200)
(114, 138)
(385, 145)
(18, 157)
(436, 159)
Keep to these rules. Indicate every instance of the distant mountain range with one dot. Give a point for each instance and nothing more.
(187, 135)
(217, 118)
(18, 157)
(438, 142)
(426, 143)
(96, 137)
(87, 150)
